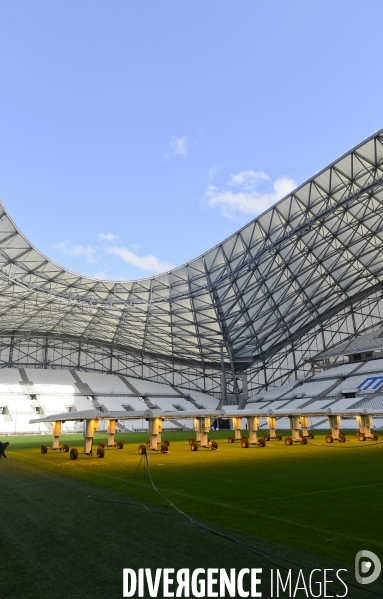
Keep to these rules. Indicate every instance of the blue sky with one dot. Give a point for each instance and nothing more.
(136, 135)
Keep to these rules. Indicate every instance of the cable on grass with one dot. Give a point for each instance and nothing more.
(252, 548)
(136, 504)
(267, 555)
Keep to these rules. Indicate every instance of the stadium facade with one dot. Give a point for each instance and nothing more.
(249, 314)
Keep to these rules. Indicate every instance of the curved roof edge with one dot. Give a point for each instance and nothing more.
(203, 254)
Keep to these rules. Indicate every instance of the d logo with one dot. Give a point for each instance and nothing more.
(363, 565)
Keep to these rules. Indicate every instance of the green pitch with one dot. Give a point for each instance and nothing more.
(316, 504)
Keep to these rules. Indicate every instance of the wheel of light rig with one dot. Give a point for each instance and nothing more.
(262, 443)
(100, 452)
(120, 445)
(194, 446)
(329, 439)
(191, 441)
(231, 439)
(164, 448)
(66, 448)
(101, 444)
(311, 435)
(73, 453)
(288, 441)
(44, 449)
(279, 437)
(214, 445)
(362, 437)
(375, 437)
(245, 437)
(266, 437)
(141, 450)
(304, 441)
(342, 438)
(245, 443)
(167, 442)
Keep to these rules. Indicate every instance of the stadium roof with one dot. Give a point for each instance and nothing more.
(313, 253)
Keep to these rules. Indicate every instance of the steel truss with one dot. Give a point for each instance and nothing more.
(303, 276)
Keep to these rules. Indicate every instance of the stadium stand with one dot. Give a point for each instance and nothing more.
(337, 371)
(372, 366)
(310, 389)
(103, 383)
(25, 393)
(320, 404)
(352, 384)
(274, 393)
(358, 384)
(258, 405)
(51, 381)
(121, 403)
(149, 388)
(293, 404)
(201, 399)
(173, 403)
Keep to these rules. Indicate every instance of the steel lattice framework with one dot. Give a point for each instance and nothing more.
(306, 274)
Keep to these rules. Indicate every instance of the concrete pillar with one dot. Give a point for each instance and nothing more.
(365, 422)
(197, 428)
(305, 425)
(56, 430)
(252, 427)
(295, 425)
(155, 430)
(204, 429)
(89, 426)
(237, 428)
(111, 429)
(272, 424)
(334, 424)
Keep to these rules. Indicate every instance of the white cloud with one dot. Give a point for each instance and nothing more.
(241, 195)
(77, 250)
(107, 236)
(247, 179)
(213, 172)
(149, 262)
(178, 146)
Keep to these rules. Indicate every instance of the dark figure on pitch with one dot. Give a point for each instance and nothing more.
(3, 447)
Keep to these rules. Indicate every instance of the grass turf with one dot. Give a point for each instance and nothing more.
(317, 504)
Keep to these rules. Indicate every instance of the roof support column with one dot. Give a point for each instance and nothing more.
(233, 373)
(79, 356)
(45, 361)
(11, 347)
(223, 380)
